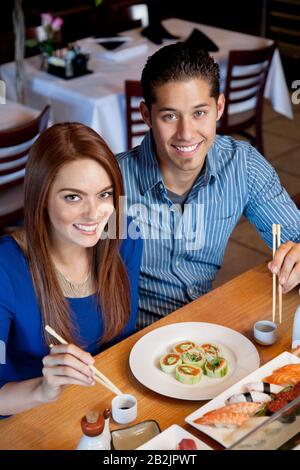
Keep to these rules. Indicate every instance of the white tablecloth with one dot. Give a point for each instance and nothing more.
(97, 100)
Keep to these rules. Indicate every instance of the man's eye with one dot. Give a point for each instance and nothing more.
(199, 113)
(72, 198)
(169, 117)
(106, 194)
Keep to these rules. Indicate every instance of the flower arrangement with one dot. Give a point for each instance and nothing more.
(48, 34)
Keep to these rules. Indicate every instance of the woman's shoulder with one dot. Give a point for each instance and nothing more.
(10, 251)
(131, 244)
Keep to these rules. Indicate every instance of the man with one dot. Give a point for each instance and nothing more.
(187, 187)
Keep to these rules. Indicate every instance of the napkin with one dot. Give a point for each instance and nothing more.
(156, 32)
(201, 41)
(124, 54)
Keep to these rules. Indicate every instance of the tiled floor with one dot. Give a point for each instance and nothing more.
(282, 148)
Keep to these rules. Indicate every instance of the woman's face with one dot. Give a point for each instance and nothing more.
(80, 203)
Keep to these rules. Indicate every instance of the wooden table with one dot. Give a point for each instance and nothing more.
(237, 304)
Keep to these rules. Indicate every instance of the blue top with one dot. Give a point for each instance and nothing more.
(183, 251)
(22, 346)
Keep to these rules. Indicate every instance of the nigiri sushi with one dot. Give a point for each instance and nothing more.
(223, 419)
(232, 415)
(263, 387)
(286, 375)
(255, 397)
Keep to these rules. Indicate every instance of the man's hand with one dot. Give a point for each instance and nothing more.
(286, 264)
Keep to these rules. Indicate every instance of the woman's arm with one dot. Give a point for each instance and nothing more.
(65, 365)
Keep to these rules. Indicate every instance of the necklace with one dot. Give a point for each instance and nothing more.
(83, 289)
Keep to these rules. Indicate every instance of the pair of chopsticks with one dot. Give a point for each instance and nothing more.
(99, 377)
(276, 244)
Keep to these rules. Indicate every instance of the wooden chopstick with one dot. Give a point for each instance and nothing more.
(276, 232)
(279, 285)
(99, 377)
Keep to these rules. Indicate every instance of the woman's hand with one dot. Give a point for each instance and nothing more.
(65, 365)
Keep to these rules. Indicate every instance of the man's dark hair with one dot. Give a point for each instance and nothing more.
(179, 62)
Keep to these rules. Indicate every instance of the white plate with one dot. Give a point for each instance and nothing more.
(240, 353)
(227, 437)
(170, 438)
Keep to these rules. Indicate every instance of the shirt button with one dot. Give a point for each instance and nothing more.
(177, 263)
(161, 186)
(190, 291)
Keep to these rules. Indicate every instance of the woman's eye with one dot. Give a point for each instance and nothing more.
(72, 198)
(106, 194)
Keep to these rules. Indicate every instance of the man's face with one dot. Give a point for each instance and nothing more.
(183, 121)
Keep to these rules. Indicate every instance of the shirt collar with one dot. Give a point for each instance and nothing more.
(149, 172)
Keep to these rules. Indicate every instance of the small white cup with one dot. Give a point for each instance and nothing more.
(124, 408)
(265, 332)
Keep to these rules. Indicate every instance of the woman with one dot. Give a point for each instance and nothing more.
(63, 270)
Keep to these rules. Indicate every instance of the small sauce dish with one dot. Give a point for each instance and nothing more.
(265, 332)
(124, 408)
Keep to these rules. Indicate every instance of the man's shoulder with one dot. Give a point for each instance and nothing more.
(128, 156)
(231, 145)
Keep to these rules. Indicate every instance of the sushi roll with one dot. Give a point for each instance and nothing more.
(188, 374)
(255, 397)
(183, 346)
(212, 351)
(217, 368)
(195, 357)
(168, 362)
(263, 387)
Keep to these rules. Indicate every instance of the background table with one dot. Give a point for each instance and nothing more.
(237, 304)
(97, 100)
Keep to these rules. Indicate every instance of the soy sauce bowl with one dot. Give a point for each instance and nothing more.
(124, 408)
(265, 332)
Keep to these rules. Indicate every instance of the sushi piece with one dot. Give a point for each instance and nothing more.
(286, 375)
(263, 387)
(223, 420)
(188, 374)
(212, 351)
(255, 397)
(168, 362)
(195, 357)
(217, 368)
(230, 416)
(243, 408)
(187, 444)
(183, 346)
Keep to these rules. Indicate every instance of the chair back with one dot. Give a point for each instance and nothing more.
(296, 200)
(15, 144)
(136, 127)
(244, 90)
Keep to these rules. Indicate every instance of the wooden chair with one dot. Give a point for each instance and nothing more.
(15, 144)
(296, 200)
(136, 128)
(246, 90)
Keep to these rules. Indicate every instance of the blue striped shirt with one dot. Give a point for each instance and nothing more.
(184, 250)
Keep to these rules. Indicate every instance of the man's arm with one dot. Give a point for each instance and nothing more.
(269, 203)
